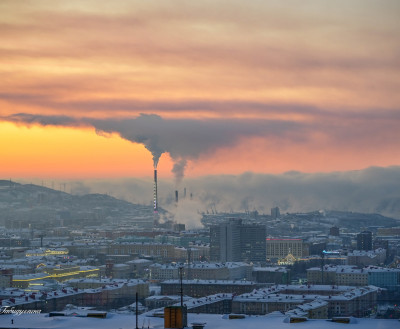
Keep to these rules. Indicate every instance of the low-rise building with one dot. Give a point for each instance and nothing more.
(6, 278)
(388, 231)
(111, 295)
(153, 302)
(362, 258)
(388, 278)
(182, 254)
(134, 285)
(202, 288)
(17, 269)
(41, 252)
(342, 300)
(139, 267)
(162, 272)
(116, 271)
(218, 271)
(60, 274)
(275, 275)
(317, 309)
(161, 250)
(324, 275)
(352, 277)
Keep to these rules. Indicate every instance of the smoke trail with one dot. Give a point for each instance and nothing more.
(143, 130)
(183, 139)
(151, 145)
(179, 170)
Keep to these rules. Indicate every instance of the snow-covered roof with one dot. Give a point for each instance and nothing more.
(353, 269)
(208, 282)
(107, 281)
(301, 294)
(270, 269)
(367, 253)
(139, 261)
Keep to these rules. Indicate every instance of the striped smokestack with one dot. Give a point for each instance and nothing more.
(155, 204)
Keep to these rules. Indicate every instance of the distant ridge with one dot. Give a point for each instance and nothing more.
(32, 203)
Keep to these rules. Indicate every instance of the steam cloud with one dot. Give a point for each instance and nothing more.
(372, 190)
(179, 170)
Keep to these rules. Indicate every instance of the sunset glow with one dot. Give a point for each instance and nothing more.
(230, 86)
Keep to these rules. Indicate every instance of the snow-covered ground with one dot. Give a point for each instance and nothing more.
(213, 321)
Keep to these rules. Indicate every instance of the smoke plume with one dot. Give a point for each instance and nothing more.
(183, 139)
(179, 170)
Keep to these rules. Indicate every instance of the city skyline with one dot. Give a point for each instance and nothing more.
(183, 163)
(212, 88)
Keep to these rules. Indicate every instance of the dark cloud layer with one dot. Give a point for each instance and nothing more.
(188, 139)
(182, 138)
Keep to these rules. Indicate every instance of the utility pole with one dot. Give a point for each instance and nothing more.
(136, 311)
(181, 282)
(189, 272)
(322, 266)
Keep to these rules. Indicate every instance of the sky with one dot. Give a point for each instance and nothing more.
(109, 89)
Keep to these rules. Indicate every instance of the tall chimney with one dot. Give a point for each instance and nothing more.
(184, 193)
(176, 196)
(155, 204)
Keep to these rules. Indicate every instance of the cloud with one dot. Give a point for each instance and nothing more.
(251, 47)
(42, 120)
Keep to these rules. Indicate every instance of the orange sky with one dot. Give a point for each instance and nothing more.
(237, 86)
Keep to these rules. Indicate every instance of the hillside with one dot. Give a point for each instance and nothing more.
(33, 204)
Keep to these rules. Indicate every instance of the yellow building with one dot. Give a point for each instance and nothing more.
(42, 252)
(280, 248)
(59, 274)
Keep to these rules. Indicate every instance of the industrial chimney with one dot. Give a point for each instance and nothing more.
(176, 196)
(155, 204)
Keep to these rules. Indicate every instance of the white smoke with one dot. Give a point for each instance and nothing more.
(179, 170)
(373, 190)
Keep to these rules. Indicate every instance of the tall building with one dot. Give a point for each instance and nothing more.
(225, 241)
(275, 213)
(364, 240)
(334, 231)
(233, 241)
(252, 243)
